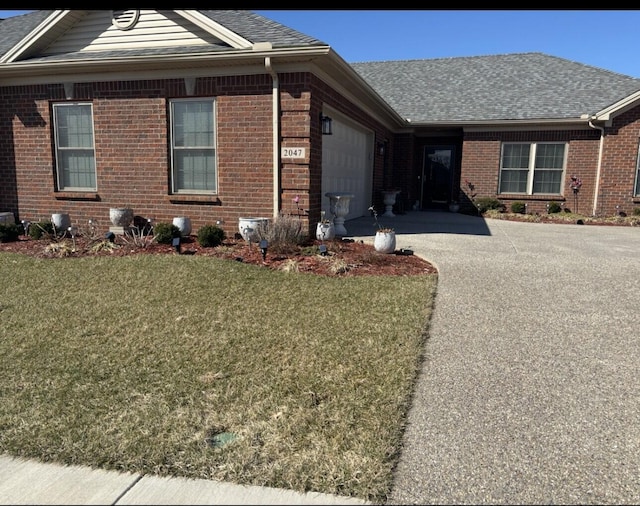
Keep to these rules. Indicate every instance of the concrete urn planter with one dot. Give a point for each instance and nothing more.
(184, 225)
(121, 216)
(61, 221)
(248, 227)
(325, 231)
(385, 241)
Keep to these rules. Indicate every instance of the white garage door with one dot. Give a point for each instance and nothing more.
(347, 165)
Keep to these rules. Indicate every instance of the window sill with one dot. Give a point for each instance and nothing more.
(76, 196)
(211, 200)
(538, 196)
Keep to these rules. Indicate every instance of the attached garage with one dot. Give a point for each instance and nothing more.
(347, 164)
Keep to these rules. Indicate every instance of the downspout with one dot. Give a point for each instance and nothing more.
(276, 135)
(599, 168)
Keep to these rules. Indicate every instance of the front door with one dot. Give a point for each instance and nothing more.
(437, 176)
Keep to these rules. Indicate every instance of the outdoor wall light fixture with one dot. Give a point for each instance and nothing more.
(381, 148)
(263, 249)
(325, 121)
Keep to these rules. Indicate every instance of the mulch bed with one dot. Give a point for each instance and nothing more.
(344, 257)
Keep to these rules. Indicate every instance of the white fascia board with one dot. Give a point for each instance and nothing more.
(34, 36)
(236, 62)
(519, 125)
(215, 29)
(618, 108)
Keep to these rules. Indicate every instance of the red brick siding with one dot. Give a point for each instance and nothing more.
(133, 155)
(132, 151)
(481, 166)
(619, 165)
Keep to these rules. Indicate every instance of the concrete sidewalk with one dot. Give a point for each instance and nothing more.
(30, 482)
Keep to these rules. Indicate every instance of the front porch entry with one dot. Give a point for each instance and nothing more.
(438, 167)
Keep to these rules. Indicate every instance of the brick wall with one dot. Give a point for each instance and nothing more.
(619, 165)
(132, 152)
(481, 167)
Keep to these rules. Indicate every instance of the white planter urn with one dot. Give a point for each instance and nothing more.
(339, 208)
(325, 231)
(248, 227)
(184, 225)
(385, 241)
(61, 221)
(121, 216)
(389, 201)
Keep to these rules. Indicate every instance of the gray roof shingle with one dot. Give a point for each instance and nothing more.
(257, 28)
(523, 86)
(13, 29)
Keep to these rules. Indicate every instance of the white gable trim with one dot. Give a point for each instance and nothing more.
(618, 108)
(215, 29)
(193, 16)
(32, 38)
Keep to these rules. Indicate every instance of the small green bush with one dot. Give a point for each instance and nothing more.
(636, 211)
(40, 229)
(518, 207)
(554, 207)
(164, 233)
(210, 236)
(9, 232)
(483, 204)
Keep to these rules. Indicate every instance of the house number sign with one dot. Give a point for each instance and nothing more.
(293, 153)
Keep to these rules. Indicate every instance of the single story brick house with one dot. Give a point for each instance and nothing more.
(219, 114)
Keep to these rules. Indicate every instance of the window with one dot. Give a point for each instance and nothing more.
(75, 154)
(532, 168)
(636, 191)
(193, 153)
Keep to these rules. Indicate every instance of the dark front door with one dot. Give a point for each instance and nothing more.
(437, 176)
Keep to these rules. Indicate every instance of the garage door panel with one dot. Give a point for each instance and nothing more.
(346, 166)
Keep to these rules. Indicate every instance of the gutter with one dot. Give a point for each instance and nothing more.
(599, 168)
(276, 135)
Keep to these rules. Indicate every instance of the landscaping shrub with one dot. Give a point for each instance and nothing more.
(9, 232)
(518, 207)
(210, 236)
(483, 204)
(554, 207)
(164, 233)
(283, 233)
(40, 229)
(636, 211)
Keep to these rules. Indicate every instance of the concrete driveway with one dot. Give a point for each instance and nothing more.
(530, 390)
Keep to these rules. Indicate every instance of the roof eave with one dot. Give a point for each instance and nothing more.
(617, 108)
(29, 68)
(495, 125)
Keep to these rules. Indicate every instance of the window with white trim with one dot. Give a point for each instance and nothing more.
(636, 190)
(532, 168)
(193, 146)
(74, 144)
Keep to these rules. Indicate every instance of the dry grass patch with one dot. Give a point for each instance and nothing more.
(209, 368)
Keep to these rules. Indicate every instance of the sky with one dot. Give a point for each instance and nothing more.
(607, 39)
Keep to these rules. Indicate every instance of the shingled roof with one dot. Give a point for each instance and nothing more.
(257, 28)
(524, 86)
